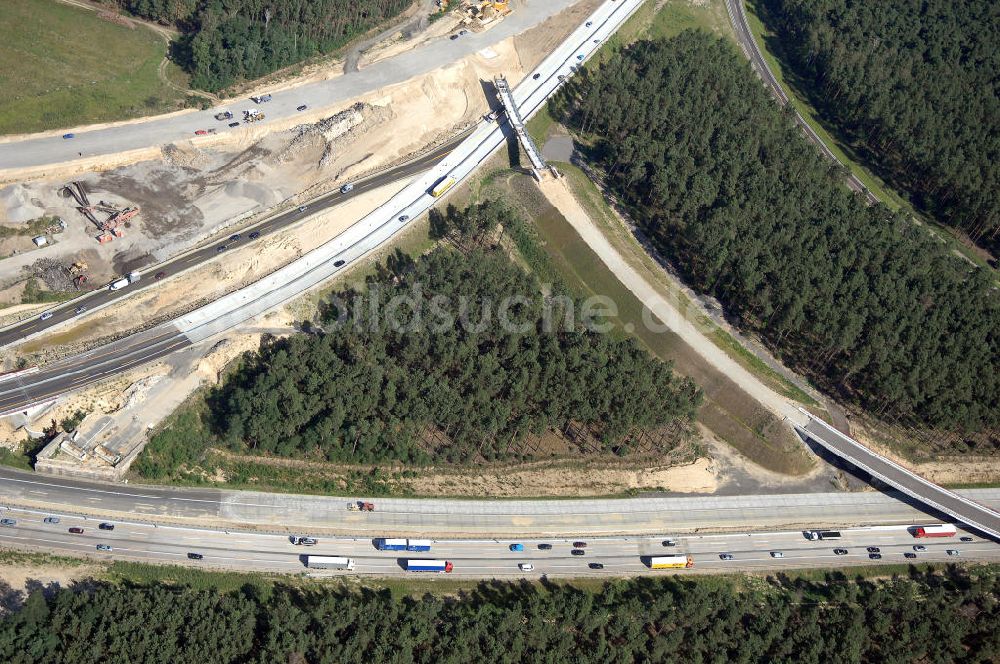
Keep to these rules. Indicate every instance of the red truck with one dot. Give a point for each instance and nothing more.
(935, 531)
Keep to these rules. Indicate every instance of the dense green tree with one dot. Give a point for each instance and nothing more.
(719, 178)
(948, 618)
(229, 40)
(914, 85)
(464, 343)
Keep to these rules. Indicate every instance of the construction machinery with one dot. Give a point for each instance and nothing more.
(111, 226)
(252, 115)
(482, 13)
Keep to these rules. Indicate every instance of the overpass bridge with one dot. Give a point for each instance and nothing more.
(506, 98)
(969, 512)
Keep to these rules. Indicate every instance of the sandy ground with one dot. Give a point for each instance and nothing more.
(193, 192)
(18, 580)
(231, 270)
(949, 470)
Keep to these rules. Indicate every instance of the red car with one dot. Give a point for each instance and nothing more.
(76, 531)
(201, 132)
(160, 275)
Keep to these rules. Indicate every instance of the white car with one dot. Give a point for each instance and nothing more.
(953, 552)
(526, 567)
(777, 554)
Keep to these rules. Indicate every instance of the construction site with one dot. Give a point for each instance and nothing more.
(132, 216)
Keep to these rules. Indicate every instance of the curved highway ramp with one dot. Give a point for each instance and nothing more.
(977, 516)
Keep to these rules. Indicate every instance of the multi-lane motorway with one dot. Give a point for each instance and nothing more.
(622, 555)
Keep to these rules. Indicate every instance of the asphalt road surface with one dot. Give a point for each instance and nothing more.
(156, 131)
(486, 558)
(737, 16)
(103, 296)
(279, 512)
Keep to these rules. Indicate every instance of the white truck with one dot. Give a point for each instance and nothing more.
(128, 279)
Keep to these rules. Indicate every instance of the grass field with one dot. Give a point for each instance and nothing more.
(62, 66)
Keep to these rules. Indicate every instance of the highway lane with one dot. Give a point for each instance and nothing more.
(738, 19)
(482, 558)
(51, 149)
(284, 513)
(360, 239)
(102, 296)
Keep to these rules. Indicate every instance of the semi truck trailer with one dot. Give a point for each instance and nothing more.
(671, 562)
(329, 562)
(403, 545)
(429, 566)
(940, 530)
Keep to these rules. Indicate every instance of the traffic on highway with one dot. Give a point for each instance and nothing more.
(624, 555)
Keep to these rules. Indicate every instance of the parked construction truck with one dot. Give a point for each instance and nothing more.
(252, 115)
(128, 279)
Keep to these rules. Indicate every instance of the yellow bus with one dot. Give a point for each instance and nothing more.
(443, 185)
(671, 562)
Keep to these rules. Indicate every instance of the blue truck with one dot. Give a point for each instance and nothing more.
(403, 545)
(429, 566)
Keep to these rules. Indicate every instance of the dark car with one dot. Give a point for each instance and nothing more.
(8, 522)
(235, 237)
(338, 263)
(544, 547)
(220, 248)
(578, 552)
(536, 77)
(76, 531)
(579, 545)
(302, 107)
(874, 549)
(966, 539)
(160, 275)
(669, 542)
(254, 235)
(453, 37)
(107, 526)
(195, 556)
(596, 565)
(909, 554)
(726, 556)
(840, 552)
(875, 556)
(69, 135)
(404, 217)
(234, 124)
(589, 23)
